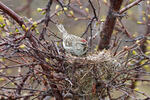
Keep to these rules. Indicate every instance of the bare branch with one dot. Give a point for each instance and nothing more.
(109, 24)
(11, 13)
(129, 6)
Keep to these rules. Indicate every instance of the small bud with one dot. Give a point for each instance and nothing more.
(7, 21)
(34, 24)
(134, 52)
(59, 13)
(57, 7)
(103, 18)
(81, 7)
(75, 19)
(2, 25)
(146, 67)
(147, 53)
(39, 9)
(1, 19)
(144, 19)
(46, 59)
(16, 30)
(2, 59)
(71, 13)
(148, 48)
(135, 34)
(43, 13)
(10, 33)
(148, 16)
(96, 48)
(143, 61)
(30, 19)
(87, 10)
(22, 46)
(2, 79)
(3, 35)
(148, 41)
(105, 1)
(58, 43)
(137, 42)
(65, 8)
(139, 22)
(37, 32)
(126, 48)
(23, 27)
(136, 89)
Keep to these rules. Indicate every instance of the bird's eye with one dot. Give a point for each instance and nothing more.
(83, 44)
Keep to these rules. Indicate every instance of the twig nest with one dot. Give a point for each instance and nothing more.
(105, 57)
(100, 67)
(107, 64)
(102, 59)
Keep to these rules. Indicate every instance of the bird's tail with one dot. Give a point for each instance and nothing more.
(62, 29)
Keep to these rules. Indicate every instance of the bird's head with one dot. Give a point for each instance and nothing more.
(84, 42)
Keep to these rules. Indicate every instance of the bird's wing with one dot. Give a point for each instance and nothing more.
(61, 29)
(68, 41)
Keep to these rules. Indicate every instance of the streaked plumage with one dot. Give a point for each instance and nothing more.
(73, 44)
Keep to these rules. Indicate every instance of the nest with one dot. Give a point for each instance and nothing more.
(94, 70)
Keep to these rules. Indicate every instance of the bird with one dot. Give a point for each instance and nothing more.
(73, 44)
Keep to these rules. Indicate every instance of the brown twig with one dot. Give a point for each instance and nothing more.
(109, 24)
(11, 13)
(46, 20)
(129, 6)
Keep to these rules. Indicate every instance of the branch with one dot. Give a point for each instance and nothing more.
(12, 14)
(47, 19)
(19, 20)
(107, 30)
(91, 21)
(94, 10)
(28, 34)
(129, 6)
